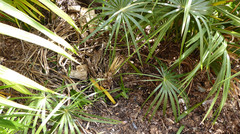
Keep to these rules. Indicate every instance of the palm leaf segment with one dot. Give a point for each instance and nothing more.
(193, 11)
(168, 89)
(122, 14)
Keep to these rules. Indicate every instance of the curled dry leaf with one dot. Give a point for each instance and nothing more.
(80, 72)
(86, 16)
(118, 60)
(73, 9)
(2, 59)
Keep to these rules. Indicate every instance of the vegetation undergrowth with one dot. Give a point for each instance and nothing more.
(206, 28)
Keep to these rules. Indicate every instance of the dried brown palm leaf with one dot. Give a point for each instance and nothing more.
(113, 69)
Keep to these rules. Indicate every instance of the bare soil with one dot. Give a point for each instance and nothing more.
(129, 111)
(17, 55)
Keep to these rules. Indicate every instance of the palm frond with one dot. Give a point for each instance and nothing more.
(168, 89)
(25, 18)
(123, 14)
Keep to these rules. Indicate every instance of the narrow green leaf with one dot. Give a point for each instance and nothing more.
(101, 26)
(172, 101)
(133, 37)
(180, 129)
(212, 104)
(233, 33)
(60, 13)
(23, 35)
(17, 87)
(39, 4)
(185, 34)
(11, 124)
(162, 30)
(32, 7)
(59, 105)
(155, 99)
(133, 66)
(3, 87)
(14, 77)
(186, 14)
(30, 21)
(201, 40)
(9, 103)
(26, 9)
(230, 15)
(165, 101)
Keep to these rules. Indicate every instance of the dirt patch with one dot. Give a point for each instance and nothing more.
(129, 111)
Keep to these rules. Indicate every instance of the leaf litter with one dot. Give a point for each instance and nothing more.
(48, 66)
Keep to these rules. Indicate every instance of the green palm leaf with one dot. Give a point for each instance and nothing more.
(165, 91)
(122, 13)
(9, 103)
(25, 18)
(23, 35)
(60, 13)
(13, 78)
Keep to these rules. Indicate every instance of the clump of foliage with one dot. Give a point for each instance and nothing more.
(168, 89)
(202, 26)
(46, 107)
(198, 25)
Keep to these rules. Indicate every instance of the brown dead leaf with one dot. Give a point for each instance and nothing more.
(2, 59)
(86, 16)
(80, 72)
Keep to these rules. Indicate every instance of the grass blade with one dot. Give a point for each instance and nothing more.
(23, 35)
(6, 102)
(11, 124)
(14, 77)
(60, 13)
(30, 21)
